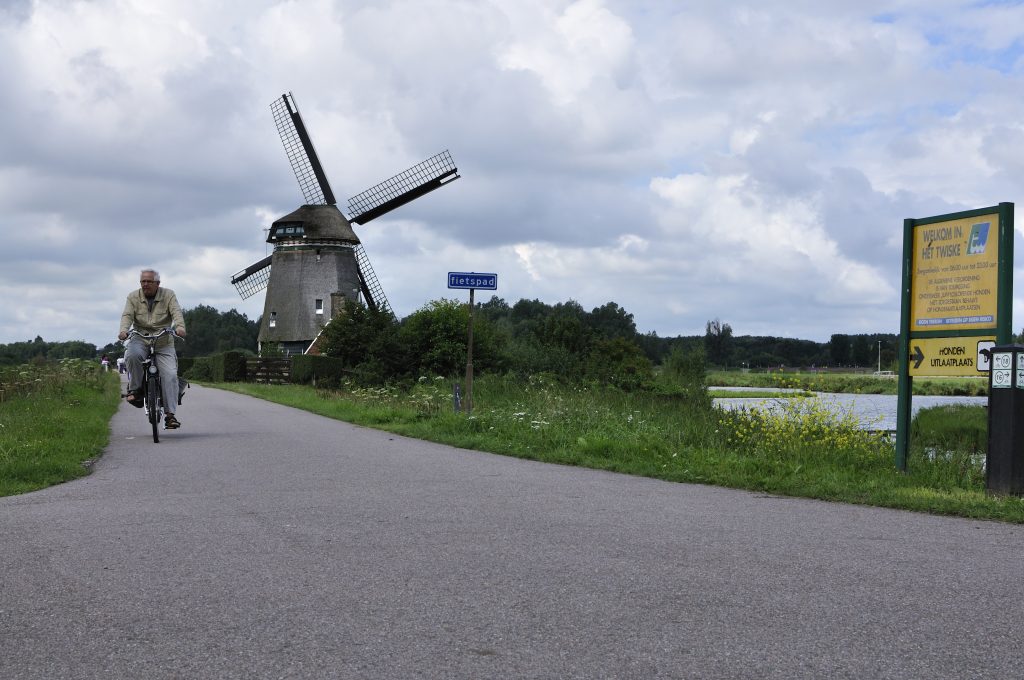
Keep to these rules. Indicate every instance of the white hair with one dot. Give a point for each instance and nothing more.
(155, 273)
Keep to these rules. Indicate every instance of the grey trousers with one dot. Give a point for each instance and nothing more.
(166, 363)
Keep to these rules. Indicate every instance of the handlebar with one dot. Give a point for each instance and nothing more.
(153, 336)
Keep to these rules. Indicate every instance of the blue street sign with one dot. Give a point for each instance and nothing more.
(473, 280)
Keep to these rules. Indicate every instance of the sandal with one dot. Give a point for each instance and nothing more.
(134, 398)
(171, 423)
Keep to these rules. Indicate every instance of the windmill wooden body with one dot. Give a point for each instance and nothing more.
(318, 261)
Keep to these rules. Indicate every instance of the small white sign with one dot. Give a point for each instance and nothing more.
(984, 348)
(1002, 369)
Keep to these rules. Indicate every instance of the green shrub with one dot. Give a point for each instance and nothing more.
(318, 370)
(687, 372)
(620, 363)
(202, 369)
(366, 340)
(528, 356)
(185, 365)
(224, 367)
(233, 366)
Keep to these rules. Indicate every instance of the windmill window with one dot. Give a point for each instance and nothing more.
(319, 306)
(282, 231)
(273, 319)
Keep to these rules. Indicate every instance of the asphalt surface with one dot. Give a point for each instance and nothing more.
(263, 542)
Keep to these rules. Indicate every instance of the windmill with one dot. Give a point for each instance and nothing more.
(318, 260)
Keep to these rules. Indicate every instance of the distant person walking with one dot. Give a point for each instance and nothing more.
(149, 310)
(105, 363)
(120, 365)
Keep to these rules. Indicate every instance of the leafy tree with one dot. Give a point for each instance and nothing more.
(839, 349)
(435, 338)
(366, 340)
(860, 351)
(202, 323)
(529, 310)
(612, 321)
(495, 309)
(435, 335)
(718, 342)
(211, 332)
(655, 348)
(566, 326)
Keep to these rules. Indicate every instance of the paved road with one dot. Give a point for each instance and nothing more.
(264, 542)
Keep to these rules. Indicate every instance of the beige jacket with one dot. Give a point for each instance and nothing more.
(166, 312)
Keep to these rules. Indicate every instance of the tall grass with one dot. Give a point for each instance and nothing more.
(53, 418)
(955, 437)
(799, 448)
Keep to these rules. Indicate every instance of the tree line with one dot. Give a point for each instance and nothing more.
(841, 351)
(209, 332)
(527, 336)
(565, 339)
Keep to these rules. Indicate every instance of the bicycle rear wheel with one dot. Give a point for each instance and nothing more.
(153, 406)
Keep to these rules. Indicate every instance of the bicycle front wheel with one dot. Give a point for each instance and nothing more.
(153, 406)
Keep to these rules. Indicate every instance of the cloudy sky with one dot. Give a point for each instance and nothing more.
(687, 159)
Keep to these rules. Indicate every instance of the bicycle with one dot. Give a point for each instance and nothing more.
(151, 387)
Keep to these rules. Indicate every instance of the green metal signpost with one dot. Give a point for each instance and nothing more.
(957, 300)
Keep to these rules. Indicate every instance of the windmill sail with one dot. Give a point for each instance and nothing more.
(253, 278)
(372, 291)
(406, 186)
(301, 154)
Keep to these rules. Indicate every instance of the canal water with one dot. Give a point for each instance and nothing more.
(872, 411)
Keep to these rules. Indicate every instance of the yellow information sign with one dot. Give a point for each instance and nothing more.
(955, 275)
(950, 356)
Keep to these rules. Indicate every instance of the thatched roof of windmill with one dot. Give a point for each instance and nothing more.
(319, 222)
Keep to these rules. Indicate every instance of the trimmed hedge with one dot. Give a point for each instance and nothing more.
(226, 367)
(234, 366)
(320, 370)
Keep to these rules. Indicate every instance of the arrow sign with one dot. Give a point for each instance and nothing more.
(949, 356)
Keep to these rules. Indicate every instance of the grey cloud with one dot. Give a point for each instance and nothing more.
(185, 168)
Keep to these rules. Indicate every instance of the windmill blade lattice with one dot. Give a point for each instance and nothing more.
(372, 289)
(316, 190)
(253, 278)
(404, 187)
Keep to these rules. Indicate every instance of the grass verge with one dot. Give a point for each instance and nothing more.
(798, 450)
(53, 419)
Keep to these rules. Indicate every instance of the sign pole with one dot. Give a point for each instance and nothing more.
(468, 401)
(905, 385)
(1004, 326)
(471, 281)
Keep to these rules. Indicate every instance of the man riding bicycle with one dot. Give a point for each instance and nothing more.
(148, 310)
